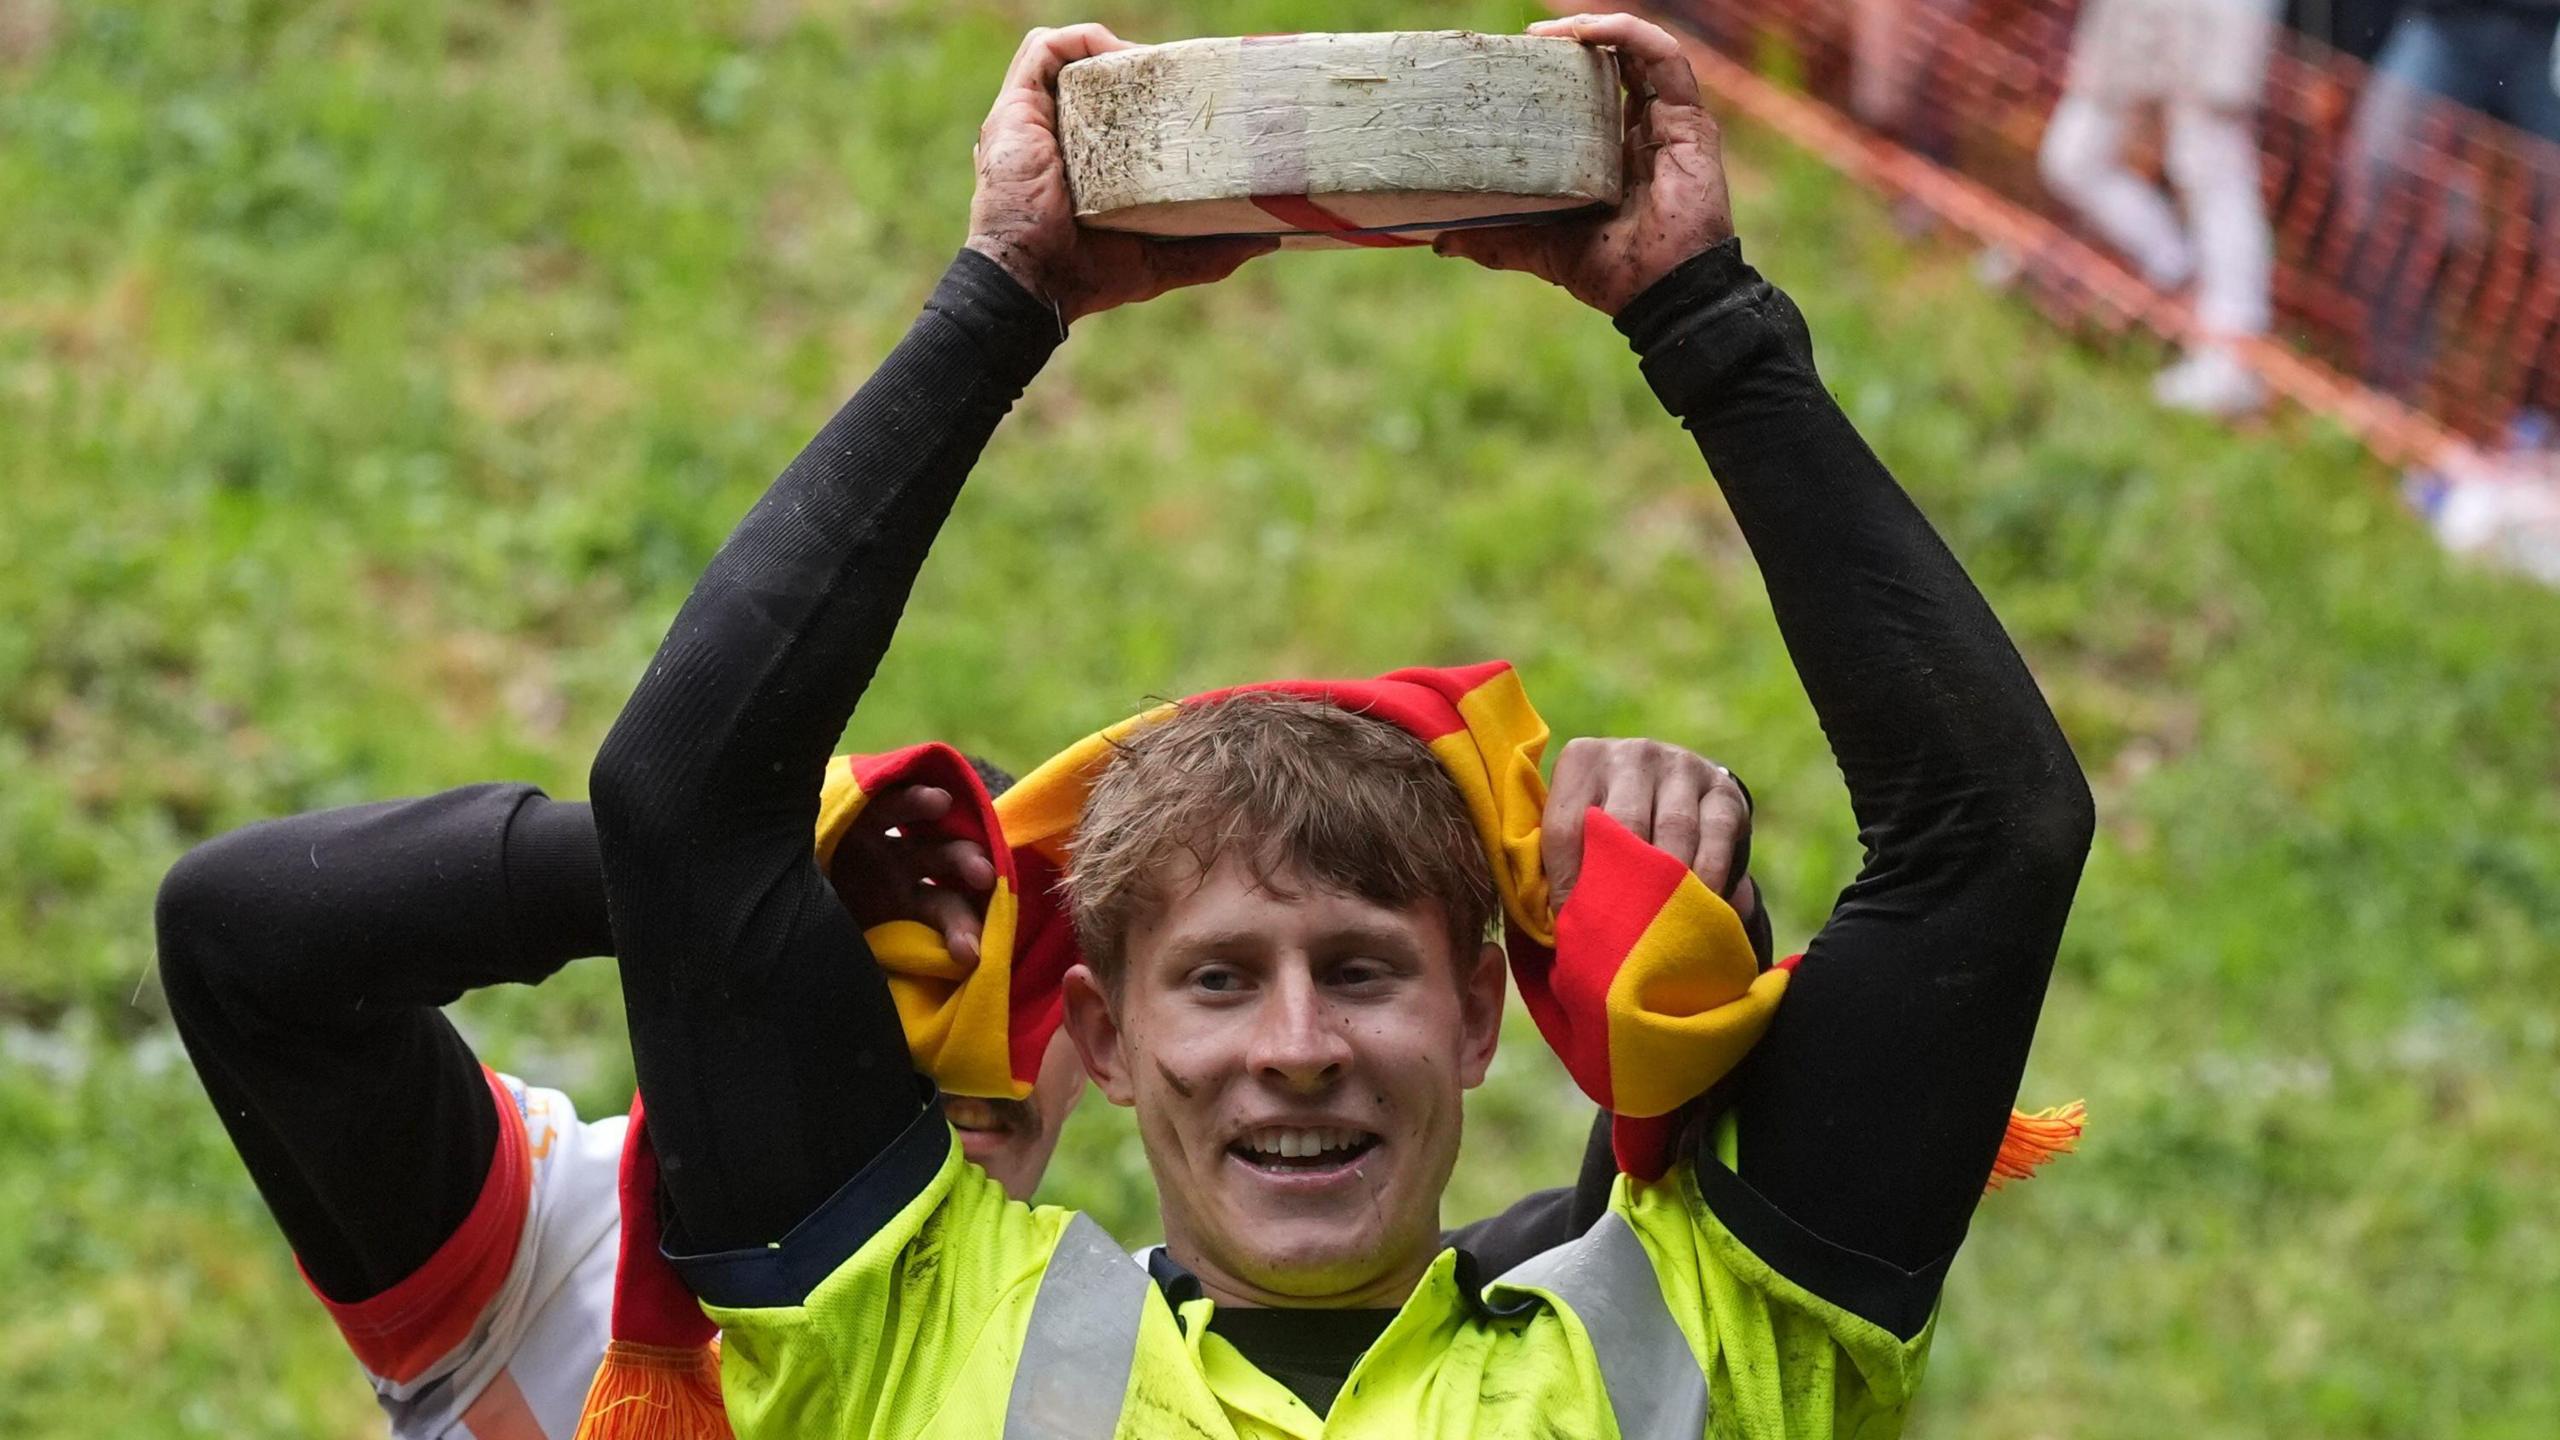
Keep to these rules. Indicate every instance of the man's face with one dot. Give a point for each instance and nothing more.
(1012, 1140)
(1297, 1060)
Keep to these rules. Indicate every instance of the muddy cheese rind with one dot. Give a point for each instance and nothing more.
(1321, 137)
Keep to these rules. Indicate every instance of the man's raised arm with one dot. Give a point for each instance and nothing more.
(765, 1041)
(1874, 1106)
(304, 961)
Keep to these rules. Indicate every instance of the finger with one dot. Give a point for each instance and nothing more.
(1177, 263)
(869, 867)
(950, 915)
(1012, 87)
(1498, 247)
(1640, 140)
(1742, 841)
(1484, 245)
(1569, 796)
(1652, 52)
(1044, 52)
(902, 806)
(960, 864)
(1678, 789)
(1460, 245)
(1027, 97)
(1626, 793)
(1723, 821)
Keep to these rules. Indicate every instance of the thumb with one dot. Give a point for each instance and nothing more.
(1495, 247)
(1466, 245)
(1177, 263)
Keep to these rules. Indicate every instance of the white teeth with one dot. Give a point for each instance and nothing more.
(1300, 1144)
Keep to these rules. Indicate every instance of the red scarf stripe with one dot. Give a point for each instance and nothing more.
(1410, 701)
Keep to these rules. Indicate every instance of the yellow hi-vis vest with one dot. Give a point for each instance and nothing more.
(971, 1315)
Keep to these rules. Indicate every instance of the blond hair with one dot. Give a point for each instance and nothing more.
(1302, 790)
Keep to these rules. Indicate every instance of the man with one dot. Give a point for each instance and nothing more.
(1296, 1042)
(462, 1226)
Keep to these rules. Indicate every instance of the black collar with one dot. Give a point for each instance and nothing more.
(1181, 1287)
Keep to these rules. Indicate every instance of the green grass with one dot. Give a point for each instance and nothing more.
(374, 377)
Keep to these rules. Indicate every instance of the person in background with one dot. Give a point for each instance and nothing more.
(2495, 57)
(2201, 64)
(1893, 45)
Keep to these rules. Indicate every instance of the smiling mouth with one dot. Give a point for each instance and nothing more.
(1303, 1150)
(975, 1115)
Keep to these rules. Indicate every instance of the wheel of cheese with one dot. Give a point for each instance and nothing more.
(1378, 139)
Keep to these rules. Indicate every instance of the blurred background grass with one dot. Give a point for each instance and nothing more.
(374, 377)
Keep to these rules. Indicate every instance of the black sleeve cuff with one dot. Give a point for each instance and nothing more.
(555, 882)
(766, 1277)
(1015, 329)
(1873, 1289)
(1716, 339)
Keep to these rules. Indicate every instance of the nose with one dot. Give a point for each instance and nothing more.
(1297, 1038)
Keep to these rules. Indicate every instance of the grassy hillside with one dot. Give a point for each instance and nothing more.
(374, 377)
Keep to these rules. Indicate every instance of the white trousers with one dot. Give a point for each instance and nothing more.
(2212, 153)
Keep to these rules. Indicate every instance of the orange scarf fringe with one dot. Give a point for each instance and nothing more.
(656, 1392)
(2032, 1140)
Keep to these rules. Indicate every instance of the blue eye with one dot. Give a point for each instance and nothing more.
(1218, 982)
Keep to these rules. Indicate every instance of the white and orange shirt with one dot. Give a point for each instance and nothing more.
(497, 1336)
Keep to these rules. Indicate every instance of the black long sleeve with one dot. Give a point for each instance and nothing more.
(304, 960)
(1870, 1113)
(764, 1037)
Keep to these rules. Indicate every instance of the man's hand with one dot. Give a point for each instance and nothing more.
(1680, 802)
(1675, 203)
(1023, 218)
(896, 863)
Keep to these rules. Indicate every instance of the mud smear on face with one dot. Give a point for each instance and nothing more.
(1187, 1092)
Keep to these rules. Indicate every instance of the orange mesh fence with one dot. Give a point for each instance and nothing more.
(2416, 281)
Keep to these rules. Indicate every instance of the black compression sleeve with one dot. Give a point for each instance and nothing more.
(303, 960)
(1872, 1109)
(764, 1037)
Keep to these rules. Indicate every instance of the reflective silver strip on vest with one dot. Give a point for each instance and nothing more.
(1083, 1339)
(1655, 1385)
